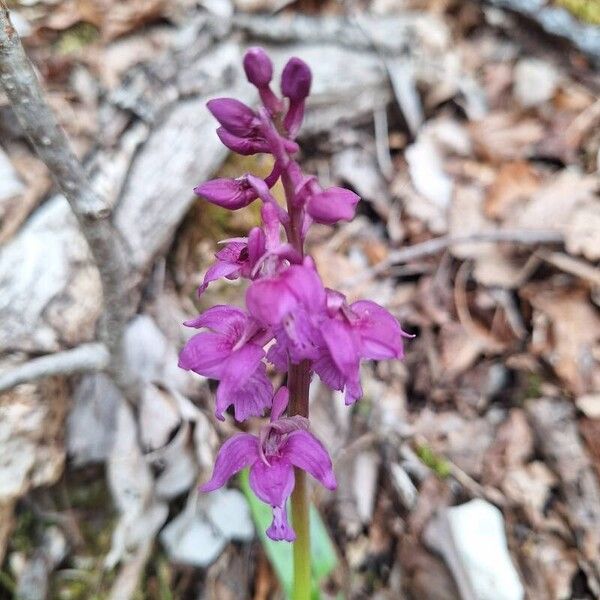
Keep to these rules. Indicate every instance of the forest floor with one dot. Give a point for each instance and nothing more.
(473, 139)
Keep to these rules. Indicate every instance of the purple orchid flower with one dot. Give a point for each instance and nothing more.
(237, 259)
(351, 333)
(282, 444)
(291, 303)
(231, 352)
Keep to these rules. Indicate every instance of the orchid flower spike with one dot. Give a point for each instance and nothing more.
(291, 322)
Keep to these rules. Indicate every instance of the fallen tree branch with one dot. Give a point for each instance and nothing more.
(23, 89)
(558, 21)
(439, 244)
(88, 357)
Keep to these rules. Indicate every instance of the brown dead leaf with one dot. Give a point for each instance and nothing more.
(512, 447)
(582, 233)
(427, 575)
(502, 136)
(574, 330)
(459, 349)
(529, 487)
(14, 212)
(514, 184)
(590, 431)
(549, 567)
(553, 205)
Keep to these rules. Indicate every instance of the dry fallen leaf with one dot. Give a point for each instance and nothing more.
(574, 331)
(501, 136)
(582, 233)
(514, 184)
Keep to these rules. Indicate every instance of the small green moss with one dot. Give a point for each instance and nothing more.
(7, 582)
(438, 464)
(585, 10)
(76, 37)
(533, 386)
(24, 533)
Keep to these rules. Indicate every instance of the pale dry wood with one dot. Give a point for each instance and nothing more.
(561, 446)
(23, 89)
(87, 357)
(558, 21)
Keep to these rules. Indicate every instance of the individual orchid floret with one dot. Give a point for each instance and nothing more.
(296, 80)
(231, 351)
(237, 259)
(227, 193)
(281, 445)
(291, 304)
(332, 205)
(362, 330)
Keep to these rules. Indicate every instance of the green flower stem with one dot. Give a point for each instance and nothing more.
(298, 384)
(302, 579)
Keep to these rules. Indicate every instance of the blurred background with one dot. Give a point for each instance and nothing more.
(468, 472)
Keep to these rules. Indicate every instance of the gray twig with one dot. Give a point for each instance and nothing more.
(87, 357)
(23, 89)
(439, 244)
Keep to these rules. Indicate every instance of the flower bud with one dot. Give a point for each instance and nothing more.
(258, 67)
(228, 193)
(295, 80)
(332, 205)
(234, 116)
(243, 146)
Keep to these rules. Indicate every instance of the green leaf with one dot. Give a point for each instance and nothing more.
(322, 556)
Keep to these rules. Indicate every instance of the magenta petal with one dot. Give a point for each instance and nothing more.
(328, 371)
(269, 300)
(204, 354)
(240, 145)
(280, 402)
(272, 483)
(352, 392)
(342, 347)
(278, 354)
(307, 286)
(280, 530)
(332, 205)
(222, 318)
(227, 193)
(256, 246)
(306, 452)
(218, 271)
(234, 116)
(236, 453)
(250, 399)
(380, 333)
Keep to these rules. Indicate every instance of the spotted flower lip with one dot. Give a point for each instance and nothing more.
(230, 352)
(282, 444)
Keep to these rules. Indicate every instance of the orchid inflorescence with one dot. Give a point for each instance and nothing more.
(291, 319)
